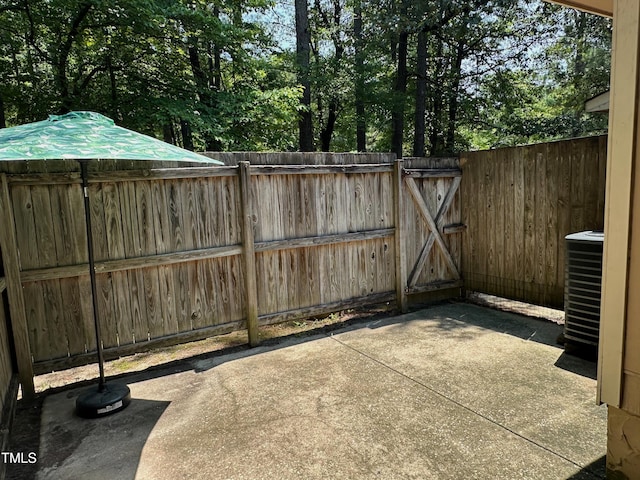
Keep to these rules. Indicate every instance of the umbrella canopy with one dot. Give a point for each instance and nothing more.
(84, 136)
(87, 135)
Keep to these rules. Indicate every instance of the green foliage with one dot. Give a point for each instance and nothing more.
(542, 97)
(183, 70)
(219, 75)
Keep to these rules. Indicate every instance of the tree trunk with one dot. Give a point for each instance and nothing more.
(435, 128)
(400, 90)
(333, 24)
(114, 90)
(196, 67)
(456, 73)
(217, 71)
(3, 120)
(361, 125)
(328, 129)
(205, 95)
(303, 49)
(421, 96)
(579, 63)
(187, 137)
(400, 87)
(167, 133)
(60, 67)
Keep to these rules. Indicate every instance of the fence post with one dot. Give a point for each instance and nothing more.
(14, 291)
(250, 283)
(401, 254)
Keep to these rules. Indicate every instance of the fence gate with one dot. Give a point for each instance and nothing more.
(430, 219)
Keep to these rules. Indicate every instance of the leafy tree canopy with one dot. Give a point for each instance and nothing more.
(224, 75)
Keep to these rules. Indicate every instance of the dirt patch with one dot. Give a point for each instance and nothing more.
(268, 335)
(271, 334)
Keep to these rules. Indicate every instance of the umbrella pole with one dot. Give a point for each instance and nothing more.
(92, 270)
(106, 399)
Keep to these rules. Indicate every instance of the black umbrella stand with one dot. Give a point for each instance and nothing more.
(105, 399)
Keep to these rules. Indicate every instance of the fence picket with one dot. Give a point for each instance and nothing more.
(516, 250)
(183, 255)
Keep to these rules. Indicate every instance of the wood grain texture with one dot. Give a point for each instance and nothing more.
(400, 237)
(299, 158)
(519, 203)
(250, 287)
(438, 173)
(6, 362)
(17, 310)
(426, 216)
(490, 198)
(173, 244)
(468, 217)
(108, 324)
(508, 258)
(317, 170)
(499, 196)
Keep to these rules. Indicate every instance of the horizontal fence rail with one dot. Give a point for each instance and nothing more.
(186, 253)
(302, 158)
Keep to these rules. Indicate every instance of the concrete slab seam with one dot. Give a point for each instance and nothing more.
(461, 405)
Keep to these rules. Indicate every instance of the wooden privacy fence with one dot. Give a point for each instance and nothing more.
(6, 361)
(8, 379)
(187, 253)
(519, 204)
(301, 158)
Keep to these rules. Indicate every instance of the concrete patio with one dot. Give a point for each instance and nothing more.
(452, 391)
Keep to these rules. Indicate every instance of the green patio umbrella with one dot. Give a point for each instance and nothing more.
(85, 136)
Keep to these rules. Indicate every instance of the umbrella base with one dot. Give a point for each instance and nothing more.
(94, 403)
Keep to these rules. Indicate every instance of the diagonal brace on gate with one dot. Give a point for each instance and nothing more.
(434, 228)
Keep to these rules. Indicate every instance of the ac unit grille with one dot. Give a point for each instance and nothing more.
(583, 284)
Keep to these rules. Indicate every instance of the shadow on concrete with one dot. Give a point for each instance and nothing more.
(25, 437)
(457, 316)
(67, 434)
(527, 328)
(578, 365)
(579, 360)
(596, 470)
(119, 438)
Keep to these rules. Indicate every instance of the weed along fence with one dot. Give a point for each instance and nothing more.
(519, 204)
(187, 253)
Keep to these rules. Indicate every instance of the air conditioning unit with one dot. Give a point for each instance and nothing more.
(583, 283)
